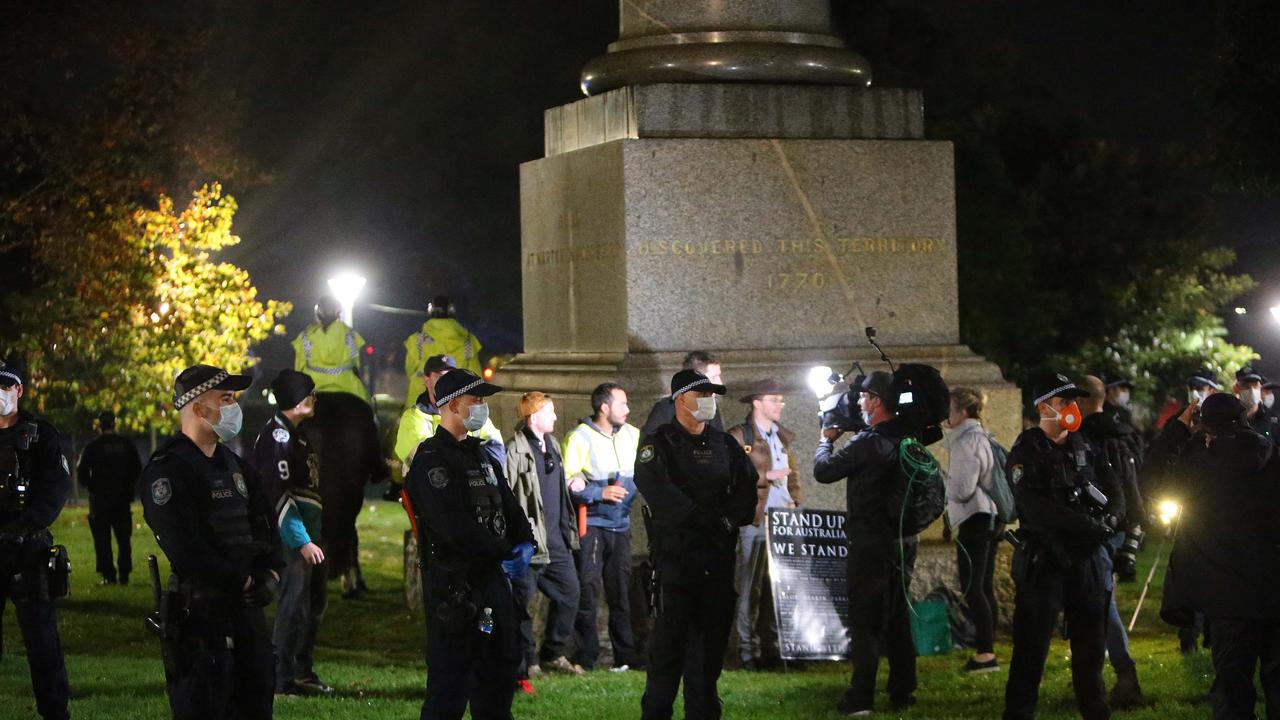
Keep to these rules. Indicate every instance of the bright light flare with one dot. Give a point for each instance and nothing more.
(819, 381)
(1168, 510)
(346, 287)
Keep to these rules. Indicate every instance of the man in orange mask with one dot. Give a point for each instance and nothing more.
(1068, 502)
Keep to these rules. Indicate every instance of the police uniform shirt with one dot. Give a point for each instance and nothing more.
(1264, 422)
(700, 488)
(465, 508)
(209, 515)
(32, 446)
(1044, 474)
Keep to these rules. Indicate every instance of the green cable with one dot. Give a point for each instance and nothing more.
(914, 459)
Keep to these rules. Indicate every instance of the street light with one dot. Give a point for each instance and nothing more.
(1275, 312)
(346, 288)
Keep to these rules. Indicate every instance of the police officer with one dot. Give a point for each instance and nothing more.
(473, 541)
(880, 563)
(211, 519)
(34, 482)
(1068, 505)
(290, 473)
(700, 487)
(1119, 390)
(329, 351)
(441, 334)
(1248, 387)
(109, 468)
(419, 422)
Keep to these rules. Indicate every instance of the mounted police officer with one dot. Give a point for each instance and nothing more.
(34, 482)
(211, 519)
(1069, 505)
(329, 351)
(473, 539)
(701, 487)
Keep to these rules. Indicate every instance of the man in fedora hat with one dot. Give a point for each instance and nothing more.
(768, 445)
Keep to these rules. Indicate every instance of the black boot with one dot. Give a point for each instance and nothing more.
(1127, 693)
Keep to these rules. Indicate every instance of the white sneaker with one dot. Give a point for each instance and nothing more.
(620, 668)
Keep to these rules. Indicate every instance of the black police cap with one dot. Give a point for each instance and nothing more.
(1202, 379)
(1117, 381)
(1056, 385)
(200, 379)
(11, 372)
(291, 387)
(457, 383)
(436, 363)
(686, 380)
(1248, 374)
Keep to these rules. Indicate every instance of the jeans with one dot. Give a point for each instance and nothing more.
(303, 599)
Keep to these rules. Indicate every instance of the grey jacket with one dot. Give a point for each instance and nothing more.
(522, 475)
(968, 474)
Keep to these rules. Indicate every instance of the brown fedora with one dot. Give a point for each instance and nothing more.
(768, 386)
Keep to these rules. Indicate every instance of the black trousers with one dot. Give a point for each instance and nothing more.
(39, 625)
(105, 519)
(1239, 647)
(604, 563)
(464, 664)
(558, 580)
(1082, 592)
(879, 619)
(976, 542)
(688, 642)
(223, 667)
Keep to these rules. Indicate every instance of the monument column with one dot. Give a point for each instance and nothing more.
(733, 184)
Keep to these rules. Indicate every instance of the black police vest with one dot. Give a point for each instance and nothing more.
(484, 501)
(229, 512)
(15, 467)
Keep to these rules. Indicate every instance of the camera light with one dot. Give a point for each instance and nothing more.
(820, 381)
(1168, 510)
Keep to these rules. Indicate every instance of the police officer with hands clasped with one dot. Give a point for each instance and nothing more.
(701, 487)
(34, 482)
(473, 540)
(1069, 502)
(213, 522)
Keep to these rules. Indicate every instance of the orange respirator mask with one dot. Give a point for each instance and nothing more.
(1069, 417)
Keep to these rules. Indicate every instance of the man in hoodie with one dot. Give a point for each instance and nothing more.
(290, 474)
(599, 462)
(536, 475)
(1223, 561)
(1113, 441)
(420, 420)
(441, 334)
(329, 351)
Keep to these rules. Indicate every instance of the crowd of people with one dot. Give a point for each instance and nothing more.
(500, 519)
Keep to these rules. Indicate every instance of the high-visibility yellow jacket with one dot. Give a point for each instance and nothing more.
(420, 421)
(602, 457)
(331, 356)
(438, 336)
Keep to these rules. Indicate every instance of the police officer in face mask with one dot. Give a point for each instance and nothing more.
(33, 488)
(700, 487)
(473, 540)
(213, 522)
(1068, 505)
(1269, 389)
(1248, 387)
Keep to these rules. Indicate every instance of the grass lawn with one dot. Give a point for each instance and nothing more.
(370, 650)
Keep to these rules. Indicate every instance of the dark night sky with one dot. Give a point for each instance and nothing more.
(393, 133)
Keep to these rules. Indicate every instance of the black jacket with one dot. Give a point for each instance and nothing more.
(35, 447)
(1227, 544)
(870, 462)
(701, 489)
(1115, 442)
(1049, 481)
(109, 469)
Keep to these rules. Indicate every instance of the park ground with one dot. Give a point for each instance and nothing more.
(370, 651)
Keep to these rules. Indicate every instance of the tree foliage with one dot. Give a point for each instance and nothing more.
(1076, 253)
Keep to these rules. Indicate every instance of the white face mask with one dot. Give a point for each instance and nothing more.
(1268, 399)
(1251, 397)
(706, 409)
(229, 423)
(8, 401)
(1195, 396)
(1122, 399)
(477, 416)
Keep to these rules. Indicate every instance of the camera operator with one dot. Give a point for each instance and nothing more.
(1223, 561)
(1069, 503)
(1115, 442)
(34, 482)
(880, 564)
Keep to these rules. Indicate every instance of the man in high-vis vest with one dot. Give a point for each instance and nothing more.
(419, 422)
(599, 465)
(441, 334)
(329, 351)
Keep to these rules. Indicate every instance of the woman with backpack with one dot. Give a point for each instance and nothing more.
(973, 514)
